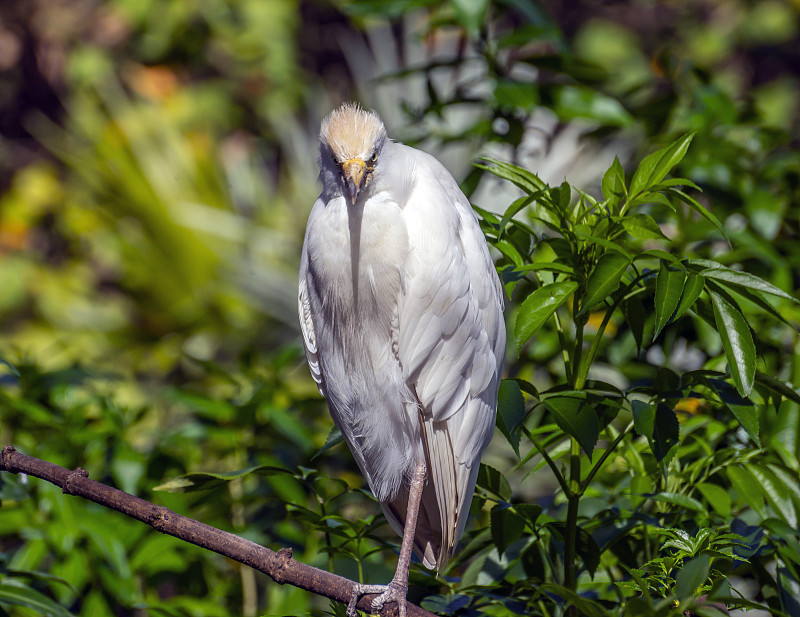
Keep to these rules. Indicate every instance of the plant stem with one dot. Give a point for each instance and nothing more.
(564, 350)
(553, 467)
(571, 530)
(599, 464)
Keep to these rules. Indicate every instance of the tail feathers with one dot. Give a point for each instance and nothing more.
(427, 539)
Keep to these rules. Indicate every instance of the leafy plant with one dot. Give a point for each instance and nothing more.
(583, 265)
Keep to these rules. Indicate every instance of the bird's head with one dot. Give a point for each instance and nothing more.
(351, 140)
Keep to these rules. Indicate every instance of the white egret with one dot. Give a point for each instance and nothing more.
(401, 313)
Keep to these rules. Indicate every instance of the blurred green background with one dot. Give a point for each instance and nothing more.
(158, 163)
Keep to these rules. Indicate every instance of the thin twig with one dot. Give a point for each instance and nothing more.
(279, 566)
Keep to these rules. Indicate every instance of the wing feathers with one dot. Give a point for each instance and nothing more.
(451, 344)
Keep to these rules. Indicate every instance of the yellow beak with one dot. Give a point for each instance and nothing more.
(354, 171)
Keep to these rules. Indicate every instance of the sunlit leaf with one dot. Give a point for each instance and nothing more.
(613, 184)
(678, 499)
(736, 341)
(716, 496)
(538, 307)
(655, 166)
(524, 179)
(643, 226)
(604, 279)
(747, 486)
(743, 279)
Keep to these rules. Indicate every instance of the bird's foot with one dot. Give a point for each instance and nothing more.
(393, 592)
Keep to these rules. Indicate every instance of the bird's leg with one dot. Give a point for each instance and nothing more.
(397, 588)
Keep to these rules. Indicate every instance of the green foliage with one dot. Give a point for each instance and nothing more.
(649, 502)
(646, 461)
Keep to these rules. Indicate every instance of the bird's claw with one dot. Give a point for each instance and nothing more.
(393, 592)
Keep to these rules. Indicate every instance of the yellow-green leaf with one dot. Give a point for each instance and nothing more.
(538, 307)
(604, 279)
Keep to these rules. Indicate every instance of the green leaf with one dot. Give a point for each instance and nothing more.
(445, 604)
(692, 289)
(514, 209)
(655, 166)
(747, 280)
(743, 409)
(510, 251)
(470, 14)
(691, 577)
(334, 438)
(702, 211)
(524, 179)
(777, 494)
(493, 481)
(644, 417)
(678, 499)
(510, 412)
(657, 254)
(736, 341)
(666, 431)
(507, 526)
(669, 285)
(778, 386)
(529, 512)
(747, 487)
(586, 607)
(613, 184)
(789, 591)
(489, 217)
(642, 226)
(25, 596)
(539, 307)
(203, 481)
(716, 496)
(636, 317)
(587, 549)
(786, 434)
(577, 419)
(757, 299)
(676, 182)
(582, 102)
(604, 279)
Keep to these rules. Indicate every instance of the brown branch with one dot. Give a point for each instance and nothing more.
(280, 566)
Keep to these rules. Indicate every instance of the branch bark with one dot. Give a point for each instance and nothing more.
(279, 566)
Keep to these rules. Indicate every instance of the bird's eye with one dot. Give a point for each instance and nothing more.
(374, 158)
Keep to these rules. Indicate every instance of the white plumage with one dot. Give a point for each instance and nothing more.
(401, 312)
